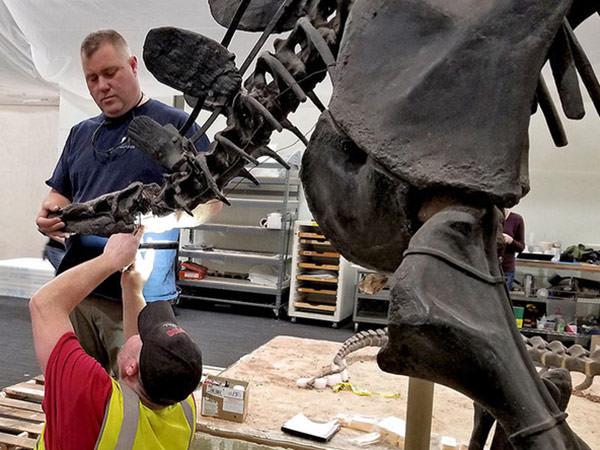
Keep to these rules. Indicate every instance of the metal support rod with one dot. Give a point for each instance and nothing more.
(257, 46)
(418, 414)
(225, 43)
(159, 245)
(239, 12)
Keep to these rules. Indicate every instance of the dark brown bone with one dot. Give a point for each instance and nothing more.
(258, 13)
(417, 97)
(191, 63)
(558, 383)
(472, 321)
(163, 144)
(110, 213)
(585, 69)
(373, 237)
(565, 75)
(557, 131)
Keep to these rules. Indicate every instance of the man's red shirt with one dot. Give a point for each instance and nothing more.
(77, 390)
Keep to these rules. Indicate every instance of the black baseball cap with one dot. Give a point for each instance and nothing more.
(170, 361)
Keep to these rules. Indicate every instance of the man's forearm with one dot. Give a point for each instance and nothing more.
(51, 305)
(57, 198)
(133, 303)
(69, 289)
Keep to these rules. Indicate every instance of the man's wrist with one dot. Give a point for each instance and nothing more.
(108, 262)
(132, 290)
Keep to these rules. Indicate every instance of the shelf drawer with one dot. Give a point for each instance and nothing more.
(315, 242)
(314, 279)
(314, 307)
(308, 235)
(307, 290)
(305, 265)
(316, 254)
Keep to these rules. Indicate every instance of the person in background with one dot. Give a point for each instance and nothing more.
(514, 242)
(97, 159)
(150, 405)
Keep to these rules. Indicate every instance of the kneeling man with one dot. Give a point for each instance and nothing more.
(151, 405)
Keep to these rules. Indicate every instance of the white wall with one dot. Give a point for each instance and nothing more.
(564, 201)
(27, 154)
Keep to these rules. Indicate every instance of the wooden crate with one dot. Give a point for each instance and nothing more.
(21, 415)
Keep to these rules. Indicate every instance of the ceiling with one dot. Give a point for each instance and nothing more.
(39, 41)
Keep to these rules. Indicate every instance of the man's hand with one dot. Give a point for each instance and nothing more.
(52, 227)
(120, 250)
(507, 238)
(136, 275)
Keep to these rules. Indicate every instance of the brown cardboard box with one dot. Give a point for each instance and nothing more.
(224, 398)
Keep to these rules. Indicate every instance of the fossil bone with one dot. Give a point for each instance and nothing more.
(549, 355)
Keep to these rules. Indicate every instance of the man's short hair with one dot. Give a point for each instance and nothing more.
(93, 41)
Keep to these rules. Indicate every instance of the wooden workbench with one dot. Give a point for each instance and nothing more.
(576, 267)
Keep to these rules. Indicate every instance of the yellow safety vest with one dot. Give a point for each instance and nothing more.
(130, 425)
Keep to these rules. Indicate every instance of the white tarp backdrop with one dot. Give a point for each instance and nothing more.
(55, 29)
(20, 82)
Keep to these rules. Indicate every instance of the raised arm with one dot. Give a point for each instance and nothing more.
(51, 305)
(132, 285)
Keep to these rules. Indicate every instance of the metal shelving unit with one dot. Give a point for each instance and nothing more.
(234, 255)
(541, 271)
(235, 242)
(369, 308)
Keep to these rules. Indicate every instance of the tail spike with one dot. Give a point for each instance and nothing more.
(266, 151)
(231, 146)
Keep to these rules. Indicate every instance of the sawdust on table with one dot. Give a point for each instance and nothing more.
(273, 369)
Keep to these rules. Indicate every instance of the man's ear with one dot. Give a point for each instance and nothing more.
(132, 367)
(133, 63)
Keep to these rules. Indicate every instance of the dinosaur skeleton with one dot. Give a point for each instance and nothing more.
(424, 138)
(549, 355)
(337, 371)
(575, 358)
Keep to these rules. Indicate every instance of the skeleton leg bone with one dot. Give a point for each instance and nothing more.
(464, 314)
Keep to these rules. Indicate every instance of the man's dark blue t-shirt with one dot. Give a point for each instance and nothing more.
(97, 160)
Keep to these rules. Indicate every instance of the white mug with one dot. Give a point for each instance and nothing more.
(272, 221)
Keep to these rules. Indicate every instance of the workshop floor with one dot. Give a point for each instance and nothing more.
(224, 333)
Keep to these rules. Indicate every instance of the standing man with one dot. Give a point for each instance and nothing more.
(97, 160)
(151, 405)
(514, 242)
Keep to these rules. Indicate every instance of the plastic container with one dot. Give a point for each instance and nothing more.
(564, 308)
(519, 312)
